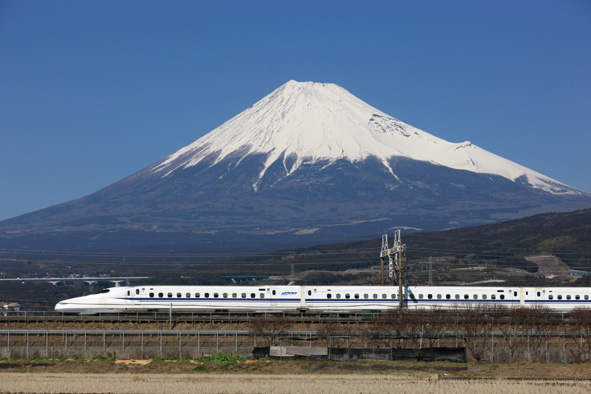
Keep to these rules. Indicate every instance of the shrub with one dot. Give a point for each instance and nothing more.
(219, 358)
(100, 358)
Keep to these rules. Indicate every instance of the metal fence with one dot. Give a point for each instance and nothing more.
(136, 344)
(142, 344)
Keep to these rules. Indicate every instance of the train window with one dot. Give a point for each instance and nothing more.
(500, 291)
(429, 296)
(188, 295)
(577, 297)
(538, 293)
(375, 296)
(243, 295)
(484, 296)
(338, 295)
(559, 297)
(225, 295)
(206, 295)
(514, 294)
(329, 295)
(457, 296)
(393, 296)
(493, 296)
(309, 292)
(384, 296)
(103, 291)
(178, 295)
(347, 296)
(448, 296)
(475, 296)
(366, 296)
(466, 296)
(438, 296)
(550, 297)
(502, 296)
(252, 295)
(151, 295)
(586, 297)
(356, 296)
(262, 295)
(234, 295)
(160, 295)
(196, 295)
(274, 292)
(568, 296)
(215, 295)
(420, 296)
(128, 293)
(169, 295)
(137, 291)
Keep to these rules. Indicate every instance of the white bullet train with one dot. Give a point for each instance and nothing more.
(317, 299)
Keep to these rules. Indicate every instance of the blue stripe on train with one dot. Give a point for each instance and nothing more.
(353, 300)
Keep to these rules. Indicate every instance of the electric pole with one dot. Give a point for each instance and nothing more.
(396, 263)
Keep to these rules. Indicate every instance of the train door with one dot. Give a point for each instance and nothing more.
(130, 296)
(136, 296)
(303, 298)
(272, 295)
(310, 295)
(539, 296)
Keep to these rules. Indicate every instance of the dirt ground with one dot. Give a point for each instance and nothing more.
(549, 265)
(441, 370)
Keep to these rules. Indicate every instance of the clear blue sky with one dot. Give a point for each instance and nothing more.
(92, 91)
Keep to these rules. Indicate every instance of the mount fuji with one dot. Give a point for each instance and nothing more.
(308, 163)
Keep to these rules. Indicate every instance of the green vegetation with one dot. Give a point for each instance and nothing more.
(100, 358)
(220, 358)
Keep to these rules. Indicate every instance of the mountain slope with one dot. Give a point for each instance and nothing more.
(308, 163)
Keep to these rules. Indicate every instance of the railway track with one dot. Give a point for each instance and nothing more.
(177, 318)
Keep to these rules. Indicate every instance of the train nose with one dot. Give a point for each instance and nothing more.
(66, 307)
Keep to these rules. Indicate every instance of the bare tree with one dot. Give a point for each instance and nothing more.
(336, 335)
(580, 319)
(508, 322)
(477, 325)
(433, 324)
(535, 323)
(401, 328)
(270, 328)
(394, 328)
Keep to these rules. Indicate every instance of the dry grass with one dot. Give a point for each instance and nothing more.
(269, 384)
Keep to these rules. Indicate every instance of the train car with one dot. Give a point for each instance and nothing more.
(317, 299)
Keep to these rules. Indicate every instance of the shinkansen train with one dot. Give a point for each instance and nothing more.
(317, 299)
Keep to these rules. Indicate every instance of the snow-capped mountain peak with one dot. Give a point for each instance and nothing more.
(314, 122)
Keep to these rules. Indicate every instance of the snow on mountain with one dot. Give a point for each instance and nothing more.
(308, 164)
(307, 122)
